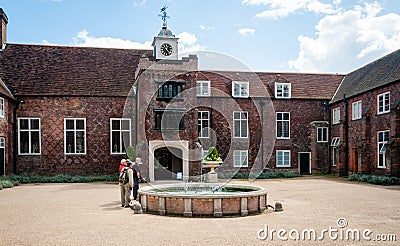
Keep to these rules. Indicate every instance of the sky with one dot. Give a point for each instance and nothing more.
(318, 36)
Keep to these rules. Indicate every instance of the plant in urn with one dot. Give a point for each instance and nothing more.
(212, 160)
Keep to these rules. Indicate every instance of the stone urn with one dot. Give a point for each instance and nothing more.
(212, 176)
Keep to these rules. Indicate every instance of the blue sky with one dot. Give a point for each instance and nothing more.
(328, 36)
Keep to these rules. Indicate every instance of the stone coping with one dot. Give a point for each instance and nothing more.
(254, 191)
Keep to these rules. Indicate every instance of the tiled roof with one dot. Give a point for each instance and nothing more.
(4, 91)
(42, 70)
(375, 74)
(303, 85)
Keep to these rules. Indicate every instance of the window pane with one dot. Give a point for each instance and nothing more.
(286, 116)
(70, 148)
(24, 142)
(70, 124)
(35, 124)
(236, 115)
(237, 158)
(115, 124)
(125, 125)
(285, 129)
(380, 136)
(80, 124)
(35, 142)
(236, 129)
(115, 141)
(126, 142)
(80, 142)
(279, 129)
(23, 124)
(244, 128)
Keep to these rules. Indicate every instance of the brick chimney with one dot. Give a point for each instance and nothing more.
(3, 30)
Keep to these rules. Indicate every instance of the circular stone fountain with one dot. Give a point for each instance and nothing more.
(203, 199)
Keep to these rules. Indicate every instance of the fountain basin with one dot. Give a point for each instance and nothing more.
(203, 199)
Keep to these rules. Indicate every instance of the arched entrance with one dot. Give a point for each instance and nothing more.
(168, 163)
(168, 160)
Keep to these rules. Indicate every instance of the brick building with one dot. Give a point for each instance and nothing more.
(74, 110)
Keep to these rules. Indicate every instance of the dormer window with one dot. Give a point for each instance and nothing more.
(169, 90)
(240, 89)
(283, 90)
(203, 88)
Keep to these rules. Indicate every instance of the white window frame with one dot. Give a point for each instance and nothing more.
(320, 136)
(335, 141)
(283, 152)
(240, 121)
(121, 131)
(334, 156)
(200, 120)
(2, 106)
(75, 131)
(385, 107)
(356, 111)
(243, 89)
(276, 123)
(281, 87)
(336, 116)
(380, 144)
(29, 130)
(243, 158)
(203, 88)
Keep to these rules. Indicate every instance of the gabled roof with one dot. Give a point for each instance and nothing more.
(42, 70)
(303, 85)
(375, 74)
(4, 91)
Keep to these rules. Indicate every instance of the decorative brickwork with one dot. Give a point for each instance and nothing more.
(52, 111)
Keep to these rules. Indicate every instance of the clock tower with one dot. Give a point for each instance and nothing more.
(165, 44)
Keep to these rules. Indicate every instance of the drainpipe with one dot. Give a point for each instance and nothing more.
(15, 139)
(346, 136)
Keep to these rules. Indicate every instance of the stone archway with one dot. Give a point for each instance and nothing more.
(181, 149)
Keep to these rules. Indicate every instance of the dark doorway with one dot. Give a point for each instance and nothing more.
(2, 157)
(168, 162)
(305, 163)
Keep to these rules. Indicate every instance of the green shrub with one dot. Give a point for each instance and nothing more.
(373, 179)
(63, 178)
(130, 153)
(6, 183)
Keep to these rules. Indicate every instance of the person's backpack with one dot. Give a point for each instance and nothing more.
(124, 176)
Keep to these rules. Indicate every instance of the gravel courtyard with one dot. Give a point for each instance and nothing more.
(90, 214)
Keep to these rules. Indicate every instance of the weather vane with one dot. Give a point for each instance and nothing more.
(164, 15)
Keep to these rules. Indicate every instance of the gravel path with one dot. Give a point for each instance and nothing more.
(90, 214)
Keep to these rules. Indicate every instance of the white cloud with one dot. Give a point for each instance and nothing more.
(348, 40)
(282, 8)
(246, 31)
(140, 3)
(83, 39)
(188, 42)
(202, 27)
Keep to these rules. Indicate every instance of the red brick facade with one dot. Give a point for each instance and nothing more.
(54, 83)
(362, 150)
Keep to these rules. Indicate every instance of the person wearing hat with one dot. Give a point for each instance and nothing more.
(122, 165)
(136, 177)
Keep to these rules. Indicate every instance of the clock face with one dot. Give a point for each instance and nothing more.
(166, 49)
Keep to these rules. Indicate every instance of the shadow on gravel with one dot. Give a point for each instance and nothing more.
(111, 206)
